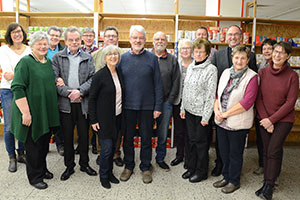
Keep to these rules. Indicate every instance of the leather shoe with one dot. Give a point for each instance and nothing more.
(88, 170)
(220, 183)
(187, 174)
(197, 178)
(260, 190)
(67, 173)
(105, 183)
(176, 162)
(48, 175)
(229, 188)
(217, 171)
(113, 179)
(41, 185)
(119, 162)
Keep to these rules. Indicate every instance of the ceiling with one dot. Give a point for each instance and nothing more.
(273, 9)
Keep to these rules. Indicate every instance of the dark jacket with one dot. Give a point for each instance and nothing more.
(102, 103)
(60, 47)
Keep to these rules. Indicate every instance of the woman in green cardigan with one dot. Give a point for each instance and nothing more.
(34, 108)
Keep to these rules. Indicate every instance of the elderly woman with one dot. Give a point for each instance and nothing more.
(105, 108)
(34, 108)
(197, 106)
(266, 49)
(9, 57)
(234, 116)
(276, 112)
(181, 136)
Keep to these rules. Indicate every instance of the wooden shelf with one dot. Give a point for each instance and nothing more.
(56, 14)
(140, 16)
(295, 67)
(215, 18)
(8, 14)
(271, 21)
(225, 44)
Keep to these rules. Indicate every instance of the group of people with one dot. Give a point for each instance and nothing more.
(113, 90)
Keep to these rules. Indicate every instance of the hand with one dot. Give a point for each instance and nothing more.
(218, 116)
(60, 82)
(26, 119)
(156, 114)
(224, 115)
(266, 123)
(270, 129)
(74, 95)
(182, 115)
(203, 123)
(8, 76)
(96, 127)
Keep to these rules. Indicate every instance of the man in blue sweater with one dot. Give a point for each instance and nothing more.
(143, 97)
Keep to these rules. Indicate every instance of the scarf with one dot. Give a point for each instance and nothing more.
(236, 77)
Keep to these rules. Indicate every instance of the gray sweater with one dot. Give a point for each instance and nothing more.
(199, 90)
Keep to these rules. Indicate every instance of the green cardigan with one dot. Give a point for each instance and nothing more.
(36, 82)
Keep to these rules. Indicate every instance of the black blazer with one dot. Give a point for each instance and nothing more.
(220, 60)
(102, 103)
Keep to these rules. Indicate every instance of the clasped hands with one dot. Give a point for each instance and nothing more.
(267, 124)
(74, 94)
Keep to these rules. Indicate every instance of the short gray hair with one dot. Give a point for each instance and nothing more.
(38, 36)
(72, 29)
(89, 30)
(137, 28)
(185, 41)
(108, 49)
(159, 32)
(55, 28)
(111, 28)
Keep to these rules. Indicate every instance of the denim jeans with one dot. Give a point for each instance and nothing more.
(163, 122)
(106, 157)
(9, 139)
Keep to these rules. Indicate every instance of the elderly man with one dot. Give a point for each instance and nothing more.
(170, 74)
(111, 37)
(143, 97)
(222, 60)
(88, 37)
(73, 70)
(202, 33)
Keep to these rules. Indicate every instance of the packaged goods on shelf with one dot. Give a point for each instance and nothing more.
(297, 104)
(213, 34)
(2, 33)
(168, 38)
(188, 35)
(180, 34)
(295, 42)
(33, 29)
(259, 58)
(246, 38)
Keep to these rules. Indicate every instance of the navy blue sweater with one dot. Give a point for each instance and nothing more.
(142, 81)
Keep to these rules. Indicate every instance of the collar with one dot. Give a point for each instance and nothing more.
(278, 71)
(83, 48)
(131, 51)
(56, 48)
(164, 54)
(70, 53)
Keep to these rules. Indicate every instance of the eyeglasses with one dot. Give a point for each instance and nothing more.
(186, 48)
(73, 40)
(110, 36)
(16, 32)
(135, 38)
(235, 34)
(53, 35)
(160, 39)
(279, 52)
(112, 54)
(89, 36)
(196, 52)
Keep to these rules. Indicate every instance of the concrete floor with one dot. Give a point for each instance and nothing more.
(165, 185)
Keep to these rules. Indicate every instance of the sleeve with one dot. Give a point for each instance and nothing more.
(21, 80)
(214, 59)
(174, 92)
(158, 88)
(84, 88)
(250, 93)
(252, 62)
(5, 61)
(260, 107)
(93, 94)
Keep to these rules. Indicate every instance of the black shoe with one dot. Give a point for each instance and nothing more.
(105, 183)
(260, 190)
(187, 174)
(48, 175)
(197, 178)
(60, 150)
(88, 170)
(12, 166)
(176, 162)
(163, 166)
(67, 173)
(41, 185)
(98, 160)
(21, 158)
(76, 151)
(119, 162)
(267, 192)
(94, 150)
(217, 170)
(113, 179)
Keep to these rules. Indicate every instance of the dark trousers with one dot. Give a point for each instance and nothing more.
(218, 160)
(36, 153)
(259, 143)
(145, 122)
(181, 135)
(273, 148)
(231, 146)
(117, 153)
(198, 144)
(68, 122)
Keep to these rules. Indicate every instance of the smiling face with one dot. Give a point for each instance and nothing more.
(233, 36)
(54, 37)
(40, 48)
(17, 35)
(279, 56)
(186, 51)
(73, 41)
(200, 54)
(267, 50)
(160, 42)
(137, 41)
(110, 37)
(240, 61)
(112, 58)
(201, 34)
(88, 39)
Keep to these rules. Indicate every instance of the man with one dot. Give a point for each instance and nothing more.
(111, 37)
(54, 34)
(222, 60)
(88, 37)
(143, 97)
(202, 33)
(73, 70)
(170, 73)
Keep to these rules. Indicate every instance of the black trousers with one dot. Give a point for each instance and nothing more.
(68, 122)
(259, 143)
(199, 140)
(36, 153)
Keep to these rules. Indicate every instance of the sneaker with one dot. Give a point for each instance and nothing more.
(125, 176)
(259, 171)
(163, 166)
(147, 176)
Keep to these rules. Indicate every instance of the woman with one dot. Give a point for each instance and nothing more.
(197, 106)
(34, 108)
(266, 49)
(105, 108)
(234, 116)
(181, 137)
(9, 57)
(276, 112)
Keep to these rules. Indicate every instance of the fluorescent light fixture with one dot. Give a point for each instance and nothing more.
(76, 5)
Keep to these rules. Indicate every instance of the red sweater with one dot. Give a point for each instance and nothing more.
(277, 94)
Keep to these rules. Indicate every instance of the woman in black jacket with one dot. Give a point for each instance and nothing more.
(105, 107)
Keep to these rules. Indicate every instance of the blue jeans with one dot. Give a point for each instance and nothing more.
(9, 139)
(163, 122)
(106, 157)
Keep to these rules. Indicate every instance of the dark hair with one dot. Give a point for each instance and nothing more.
(268, 41)
(285, 45)
(112, 28)
(203, 27)
(241, 49)
(55, 28)
(201, 42)
(11, 28)
(241, 32)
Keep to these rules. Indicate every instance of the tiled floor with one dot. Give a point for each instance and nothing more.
(165, 185)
